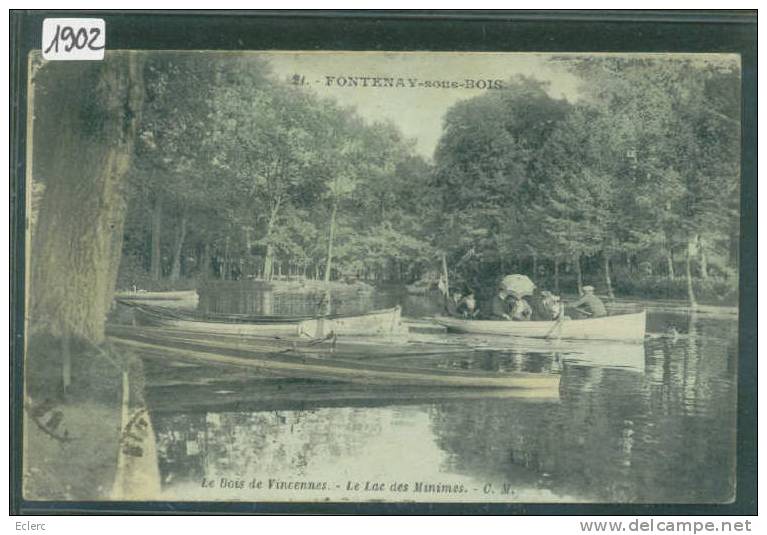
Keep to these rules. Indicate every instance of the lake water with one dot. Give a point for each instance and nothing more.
(639, 424)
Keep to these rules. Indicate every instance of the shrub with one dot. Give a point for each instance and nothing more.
(715, 291)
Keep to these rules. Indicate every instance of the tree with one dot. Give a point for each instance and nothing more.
(486, 165)
(267, 142)
(79, 228)
(678, 122)
(175, 175)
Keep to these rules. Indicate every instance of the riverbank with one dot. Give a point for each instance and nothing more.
(627, 303)
(73, 440)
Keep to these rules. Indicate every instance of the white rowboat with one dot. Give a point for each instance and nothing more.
(623, 327)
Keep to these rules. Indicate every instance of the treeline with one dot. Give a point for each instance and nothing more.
(634, 186)
(238, 176)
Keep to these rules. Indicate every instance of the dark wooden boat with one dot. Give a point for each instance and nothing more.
(347, 347)
(300, 360)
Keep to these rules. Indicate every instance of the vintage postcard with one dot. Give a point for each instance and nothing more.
(398, 277)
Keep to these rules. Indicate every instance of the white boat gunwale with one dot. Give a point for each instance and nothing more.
(619, 327)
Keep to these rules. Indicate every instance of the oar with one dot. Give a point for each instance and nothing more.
(559, 321)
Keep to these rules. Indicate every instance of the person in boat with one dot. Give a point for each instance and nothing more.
(499, 305)
(552, 304)
(588, 306)
(519, 309)
(542, 305)
(452, 303)
(467, 306)
(462, 305)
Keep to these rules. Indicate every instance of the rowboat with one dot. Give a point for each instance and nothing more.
(623, 327)
(375, 323)
(164, 312)
(177, 300)
(256, 395)
(292, 364)
(345, 347)
(181, 295)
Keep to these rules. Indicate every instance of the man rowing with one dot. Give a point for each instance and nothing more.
(589, 305)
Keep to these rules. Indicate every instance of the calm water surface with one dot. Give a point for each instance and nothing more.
(631, 423)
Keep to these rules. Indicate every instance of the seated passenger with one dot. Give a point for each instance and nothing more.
(467, 307)
(538, 306)
(520, 309)
(552, 304)
(452, 303)
(499, 306)
(545, 305)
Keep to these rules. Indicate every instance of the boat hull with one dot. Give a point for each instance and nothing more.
(216, 327)
(324, 368)
(345, 347)
(624, 327)
(378, 323)
(179, 295)
(177, 300)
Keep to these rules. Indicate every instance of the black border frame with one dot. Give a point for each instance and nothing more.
(497, 31)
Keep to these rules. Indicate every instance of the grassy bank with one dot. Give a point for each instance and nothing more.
(72, 438)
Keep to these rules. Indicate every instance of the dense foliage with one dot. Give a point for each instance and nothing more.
(240, 175)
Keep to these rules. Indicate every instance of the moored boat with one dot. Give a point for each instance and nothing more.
(346, 347)
(160, 317)
(180, 295)
(290, 364)
(374, 323)
(622, 327)
(176, 300)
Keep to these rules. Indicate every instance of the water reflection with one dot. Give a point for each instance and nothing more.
(659, 431)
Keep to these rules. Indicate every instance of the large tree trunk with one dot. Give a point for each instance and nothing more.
(155, 255)
(688, 273)
(578, 272)
(175, 272)
(76, 249)
(331, 237)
